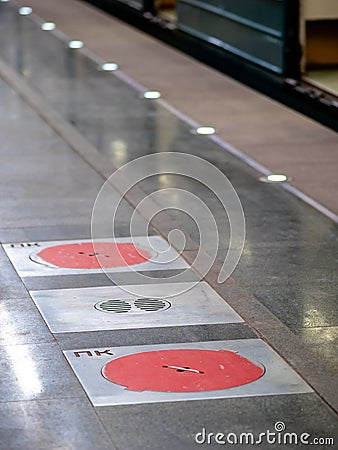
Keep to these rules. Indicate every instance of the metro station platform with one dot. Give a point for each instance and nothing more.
(157, 290)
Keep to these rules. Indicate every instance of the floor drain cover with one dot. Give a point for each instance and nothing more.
(182, 370)
(84, 255)
(151, 304)
(114, 306)
(140, 305)
(50, 258)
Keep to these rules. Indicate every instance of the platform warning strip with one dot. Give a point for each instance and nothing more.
(114, 308)
(180, 372)
(50, 258)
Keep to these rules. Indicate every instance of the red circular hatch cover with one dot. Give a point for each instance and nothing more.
(84, 255)
(182, 370)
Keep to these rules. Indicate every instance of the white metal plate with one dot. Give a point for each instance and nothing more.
(73, 310)
(88, 364)
(26, 262)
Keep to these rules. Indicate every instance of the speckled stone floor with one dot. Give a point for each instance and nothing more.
(66, 126)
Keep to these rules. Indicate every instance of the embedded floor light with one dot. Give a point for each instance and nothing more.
(152, 94)
(25, 10)
(48, 26)
(75, 44)
(205, 130)
(4, 1)
(109, 66)
(274, 178)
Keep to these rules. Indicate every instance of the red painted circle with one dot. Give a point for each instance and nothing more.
(182, 370)
(84, 255)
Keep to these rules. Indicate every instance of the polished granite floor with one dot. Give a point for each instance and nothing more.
(288, 266)
(275, 136)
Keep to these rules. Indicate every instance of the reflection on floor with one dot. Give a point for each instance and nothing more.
(325, 78)
(168, 14)
(68, 125)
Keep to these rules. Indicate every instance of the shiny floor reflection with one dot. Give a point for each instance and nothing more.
(289, 262)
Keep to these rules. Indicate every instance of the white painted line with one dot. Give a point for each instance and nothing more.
(310, 201)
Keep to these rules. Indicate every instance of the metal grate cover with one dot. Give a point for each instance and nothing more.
(140, 305)
(113, 308)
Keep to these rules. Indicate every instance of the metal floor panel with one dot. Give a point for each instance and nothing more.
(90, 366)
(115, 308)
(26, 260)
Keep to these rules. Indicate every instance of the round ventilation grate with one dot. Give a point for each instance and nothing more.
(115, 306)
(140, 305)
(150, 304)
